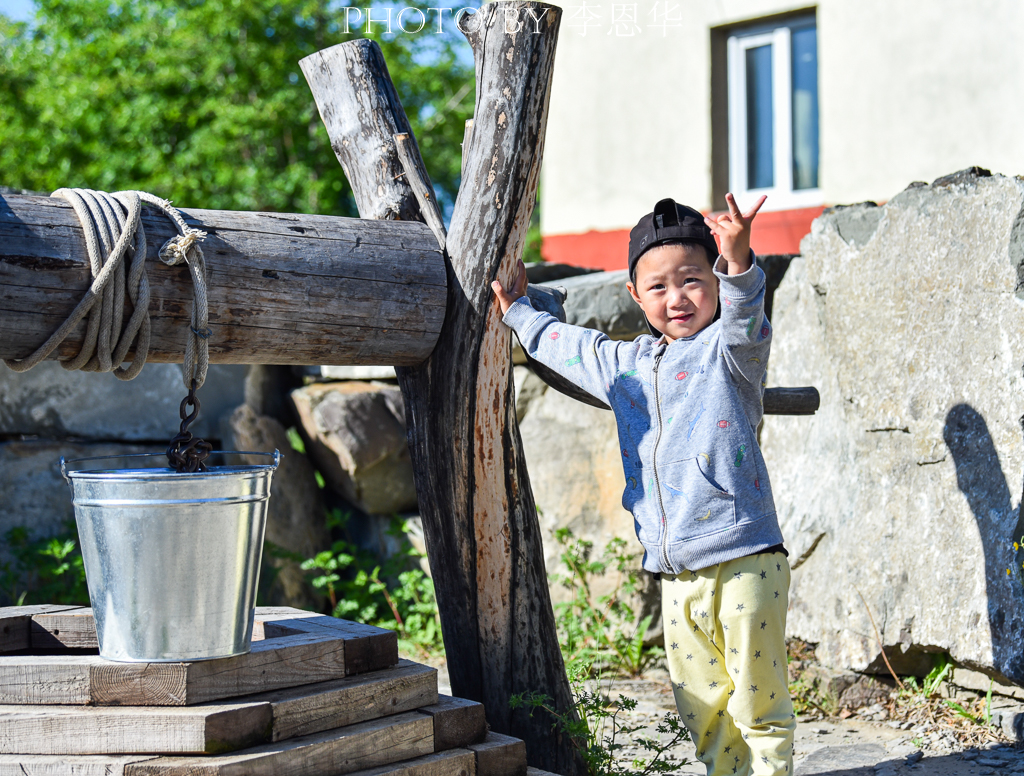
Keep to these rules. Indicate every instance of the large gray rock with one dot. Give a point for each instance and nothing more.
(49, 401)
(296, 514)
(904, 487)
(356, 438)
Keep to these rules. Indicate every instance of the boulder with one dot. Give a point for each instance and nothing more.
(49, 401)
(356, 438)
(296, 514)
(899, 499)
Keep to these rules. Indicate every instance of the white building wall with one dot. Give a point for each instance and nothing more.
(909, 90)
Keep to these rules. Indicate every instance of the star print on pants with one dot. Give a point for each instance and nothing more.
(772, 697)
(763, 575)
(753, 688)
(673, 622)
(721, 712)
(739, 607)
(690, 716)
(737, 575)
(689, 657)
(776, 593)
(712, 661)
(763, 623)
(675, 645)
(728, 749)
(713, 685)
(757, 654)
(778, 567)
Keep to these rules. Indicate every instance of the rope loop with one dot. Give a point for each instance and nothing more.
(114, 238)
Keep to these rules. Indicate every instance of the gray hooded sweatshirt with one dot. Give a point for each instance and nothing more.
(687, 414)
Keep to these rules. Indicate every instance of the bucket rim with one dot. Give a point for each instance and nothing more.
(164, 472)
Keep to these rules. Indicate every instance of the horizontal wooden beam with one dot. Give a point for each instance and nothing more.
(283, 288)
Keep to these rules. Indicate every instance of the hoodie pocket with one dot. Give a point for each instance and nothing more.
(695, 505)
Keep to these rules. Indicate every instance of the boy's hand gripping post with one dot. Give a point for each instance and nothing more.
(517, 288)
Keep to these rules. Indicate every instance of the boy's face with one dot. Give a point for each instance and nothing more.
(676, 289)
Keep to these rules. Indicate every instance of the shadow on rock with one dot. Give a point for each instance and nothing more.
(981, 479)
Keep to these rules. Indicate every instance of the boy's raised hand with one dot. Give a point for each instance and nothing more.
(516, 290)
(733, 232)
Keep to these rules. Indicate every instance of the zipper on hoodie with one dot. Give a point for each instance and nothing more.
(663, 550)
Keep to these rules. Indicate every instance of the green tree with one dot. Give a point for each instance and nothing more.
(203, 102)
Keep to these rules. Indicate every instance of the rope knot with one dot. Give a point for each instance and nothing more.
(175, 250)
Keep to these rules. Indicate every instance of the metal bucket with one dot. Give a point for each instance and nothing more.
(171, 560)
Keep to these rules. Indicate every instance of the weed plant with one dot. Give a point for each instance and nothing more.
(44, 571)
(394, 594)
(601, 632)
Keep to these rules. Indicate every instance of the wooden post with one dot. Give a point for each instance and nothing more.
(479, 517)
(283, 289)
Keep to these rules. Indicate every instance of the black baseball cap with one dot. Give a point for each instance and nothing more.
(670, 222)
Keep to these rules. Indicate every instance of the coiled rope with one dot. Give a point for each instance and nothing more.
(113, 229)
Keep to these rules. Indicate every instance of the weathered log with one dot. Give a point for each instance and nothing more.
(777, 401)
(283, 289)
(361, 125)
(479, 517)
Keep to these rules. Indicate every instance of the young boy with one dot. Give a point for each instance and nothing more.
(687, 403)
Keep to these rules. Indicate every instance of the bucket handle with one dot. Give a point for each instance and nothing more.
(64, 462)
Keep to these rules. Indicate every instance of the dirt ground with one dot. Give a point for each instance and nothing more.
(832, 747)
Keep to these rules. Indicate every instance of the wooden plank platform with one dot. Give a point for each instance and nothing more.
(303, 654)
(217, 727)
(206, 719)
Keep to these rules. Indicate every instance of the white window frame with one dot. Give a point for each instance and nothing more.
(781, 196)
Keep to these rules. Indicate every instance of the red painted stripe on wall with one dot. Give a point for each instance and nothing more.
(777, 231)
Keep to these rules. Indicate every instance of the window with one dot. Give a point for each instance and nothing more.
(773, 113)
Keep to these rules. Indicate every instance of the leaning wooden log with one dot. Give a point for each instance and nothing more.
(283, 289)
(480, 520)
(777, 401)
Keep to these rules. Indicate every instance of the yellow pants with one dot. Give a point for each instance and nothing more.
(725, 639)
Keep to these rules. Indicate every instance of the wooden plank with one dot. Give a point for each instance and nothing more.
(454, 762)
(305, 658)
(457, 722)
(79, 730)
(283, 289)
(314, 708)
(272, 664)
(367, 647)
(73, 629)
(500, 755)
(46, 679)
(15, 624)
(344, 750)
(63, 765)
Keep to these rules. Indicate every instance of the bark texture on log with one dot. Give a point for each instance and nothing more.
(361, 124)
(479, 517)
(283, 289)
